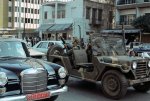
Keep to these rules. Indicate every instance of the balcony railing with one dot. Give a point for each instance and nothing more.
(122, 2)
(95, 21)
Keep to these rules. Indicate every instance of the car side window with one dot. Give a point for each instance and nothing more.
(42, 45)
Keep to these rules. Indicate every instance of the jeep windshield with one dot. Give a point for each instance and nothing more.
(108, 45)
(12, 49)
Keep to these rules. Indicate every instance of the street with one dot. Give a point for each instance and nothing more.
(80, 90)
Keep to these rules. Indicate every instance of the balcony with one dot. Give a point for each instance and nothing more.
(133, 5)
(94, 21)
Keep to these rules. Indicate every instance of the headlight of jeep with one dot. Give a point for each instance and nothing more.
(148, 63)
(62, 72)
(3, 78)
(134, 65)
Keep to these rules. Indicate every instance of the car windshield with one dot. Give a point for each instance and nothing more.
(11, 49)
(108, 45)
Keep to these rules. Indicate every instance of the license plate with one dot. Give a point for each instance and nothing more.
(38, 96)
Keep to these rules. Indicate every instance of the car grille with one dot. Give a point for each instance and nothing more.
(141, 70)
(33, 80)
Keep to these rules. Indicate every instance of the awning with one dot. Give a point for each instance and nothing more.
(44, 27)
(126, 31)
(59, 27)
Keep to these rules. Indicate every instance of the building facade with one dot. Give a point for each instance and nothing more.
(19, 16)
(74, 18)
(128, 10)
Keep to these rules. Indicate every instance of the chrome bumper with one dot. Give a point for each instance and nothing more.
(23, 97)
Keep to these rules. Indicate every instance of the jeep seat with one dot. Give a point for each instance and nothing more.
(80, 59)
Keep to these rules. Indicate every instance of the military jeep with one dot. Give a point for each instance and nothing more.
(106, 61)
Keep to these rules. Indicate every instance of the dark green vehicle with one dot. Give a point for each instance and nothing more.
(106, 61)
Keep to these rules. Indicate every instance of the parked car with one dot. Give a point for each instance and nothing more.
(43, 46)
(23, 78)
(132, 45)
(105, 60)
(36, 54)
(143, 50)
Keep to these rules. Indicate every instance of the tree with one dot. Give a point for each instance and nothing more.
(142, 22)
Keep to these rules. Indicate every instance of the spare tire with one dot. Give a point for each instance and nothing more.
(55, 50)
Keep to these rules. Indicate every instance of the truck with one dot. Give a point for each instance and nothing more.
(105, 60)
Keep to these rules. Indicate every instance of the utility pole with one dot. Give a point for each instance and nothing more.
(24, 26)
(123, 33)
(19, 33)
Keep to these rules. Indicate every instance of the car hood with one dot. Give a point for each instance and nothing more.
(14, 67)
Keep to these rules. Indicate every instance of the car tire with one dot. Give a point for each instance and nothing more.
(114, 84)
(142, 88)
(55, 49)
(53, 98)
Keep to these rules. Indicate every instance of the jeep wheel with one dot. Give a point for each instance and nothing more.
(114, 84)
(142, 88)
(55, 50)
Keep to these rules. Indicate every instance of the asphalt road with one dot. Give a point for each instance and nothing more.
(80, 90)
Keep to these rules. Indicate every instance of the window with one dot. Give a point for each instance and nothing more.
(32, 11)
(88, 12)
(127, 19)
(126, 2)
(25, 10)
(45, 15)
(28, 10)
(22, 0)
(110, 16)
(16, 9)
(53, 14)
(94, 13)
(32, 1)
(36, 11)
(32, 21)
(22, 20)
(10, 9)
(9, 19)
(100, 11)
(16, 19)
(28, 20)
(22, 9)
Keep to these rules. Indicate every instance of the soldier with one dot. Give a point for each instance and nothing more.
(75, 43)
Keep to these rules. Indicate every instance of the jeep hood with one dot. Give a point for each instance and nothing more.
(120, 59)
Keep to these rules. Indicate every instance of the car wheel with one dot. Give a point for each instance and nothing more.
(55, 50)
(142, 88)
(53, 98)
(114, 84)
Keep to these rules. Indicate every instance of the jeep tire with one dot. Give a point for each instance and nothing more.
(55, 50)
(114, 84)
(142, 88)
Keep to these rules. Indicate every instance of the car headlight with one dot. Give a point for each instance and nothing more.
(134, 65)
(3, 78)
(148, 63)
(62, 72)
